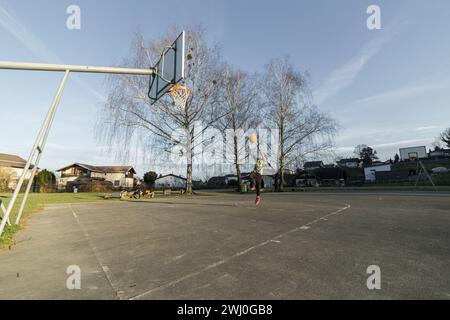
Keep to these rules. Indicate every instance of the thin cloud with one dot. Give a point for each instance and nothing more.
(36, 45)
(408, 91)
(344, 75)
(404, 143)
(26, 37)
(427, 128)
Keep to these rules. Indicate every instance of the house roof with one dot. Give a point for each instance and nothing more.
(377, 165)
(171, 175)
(12, 161)
(311, 164)
(349, 160)
(329, 173)
(102, 169)
(217, 180)
(441, 150)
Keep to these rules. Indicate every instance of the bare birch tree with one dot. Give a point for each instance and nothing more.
(128, 114)
(239, 102)
(303, 128)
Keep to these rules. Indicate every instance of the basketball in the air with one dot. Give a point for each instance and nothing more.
(253, 138)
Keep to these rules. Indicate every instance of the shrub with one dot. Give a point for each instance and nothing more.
(5, 179)
(90, 185)
(45, 181)
(150, 178)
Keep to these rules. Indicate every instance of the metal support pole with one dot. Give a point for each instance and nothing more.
(11, 65)
(42, 132)
(428, 175)
(421, 168)
(36, 151)
(41, 146)
(30, 183)
(2, 207)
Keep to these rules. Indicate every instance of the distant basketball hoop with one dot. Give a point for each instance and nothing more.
(413, 156)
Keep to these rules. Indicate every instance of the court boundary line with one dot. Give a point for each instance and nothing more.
(104, 268)
(238, 254)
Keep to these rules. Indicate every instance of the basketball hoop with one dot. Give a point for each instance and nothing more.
(413, 156)
(180, 96)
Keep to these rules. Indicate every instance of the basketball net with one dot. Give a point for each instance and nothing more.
(180, 96)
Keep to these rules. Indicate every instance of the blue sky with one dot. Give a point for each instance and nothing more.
(388, 88)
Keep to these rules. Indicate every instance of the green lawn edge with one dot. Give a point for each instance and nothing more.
(35, 203)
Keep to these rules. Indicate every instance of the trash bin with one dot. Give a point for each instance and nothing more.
(244, 188)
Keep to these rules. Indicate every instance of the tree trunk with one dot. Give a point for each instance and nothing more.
(280, 178)
(277, 179)
(236, 162)
(189, 178)
(188, 161)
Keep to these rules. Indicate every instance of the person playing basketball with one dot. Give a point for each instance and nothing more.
(257, 174)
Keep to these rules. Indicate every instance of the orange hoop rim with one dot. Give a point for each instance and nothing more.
(173, 91)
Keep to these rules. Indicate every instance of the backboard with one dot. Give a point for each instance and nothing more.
(169, 70)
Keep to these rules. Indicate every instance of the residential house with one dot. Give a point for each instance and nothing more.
(219, 181)
(330, 176)
(325, 176)
(122, 177)
(370, 172)
(11, 169)
(393, 176)
(439, 154)
(349, 163)
(303, 179)
(285, 171)
(312, 165)
(170, 181)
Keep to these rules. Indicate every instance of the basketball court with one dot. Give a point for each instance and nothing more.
(293, 246)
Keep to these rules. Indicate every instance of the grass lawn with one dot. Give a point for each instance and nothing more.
(36, 202)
